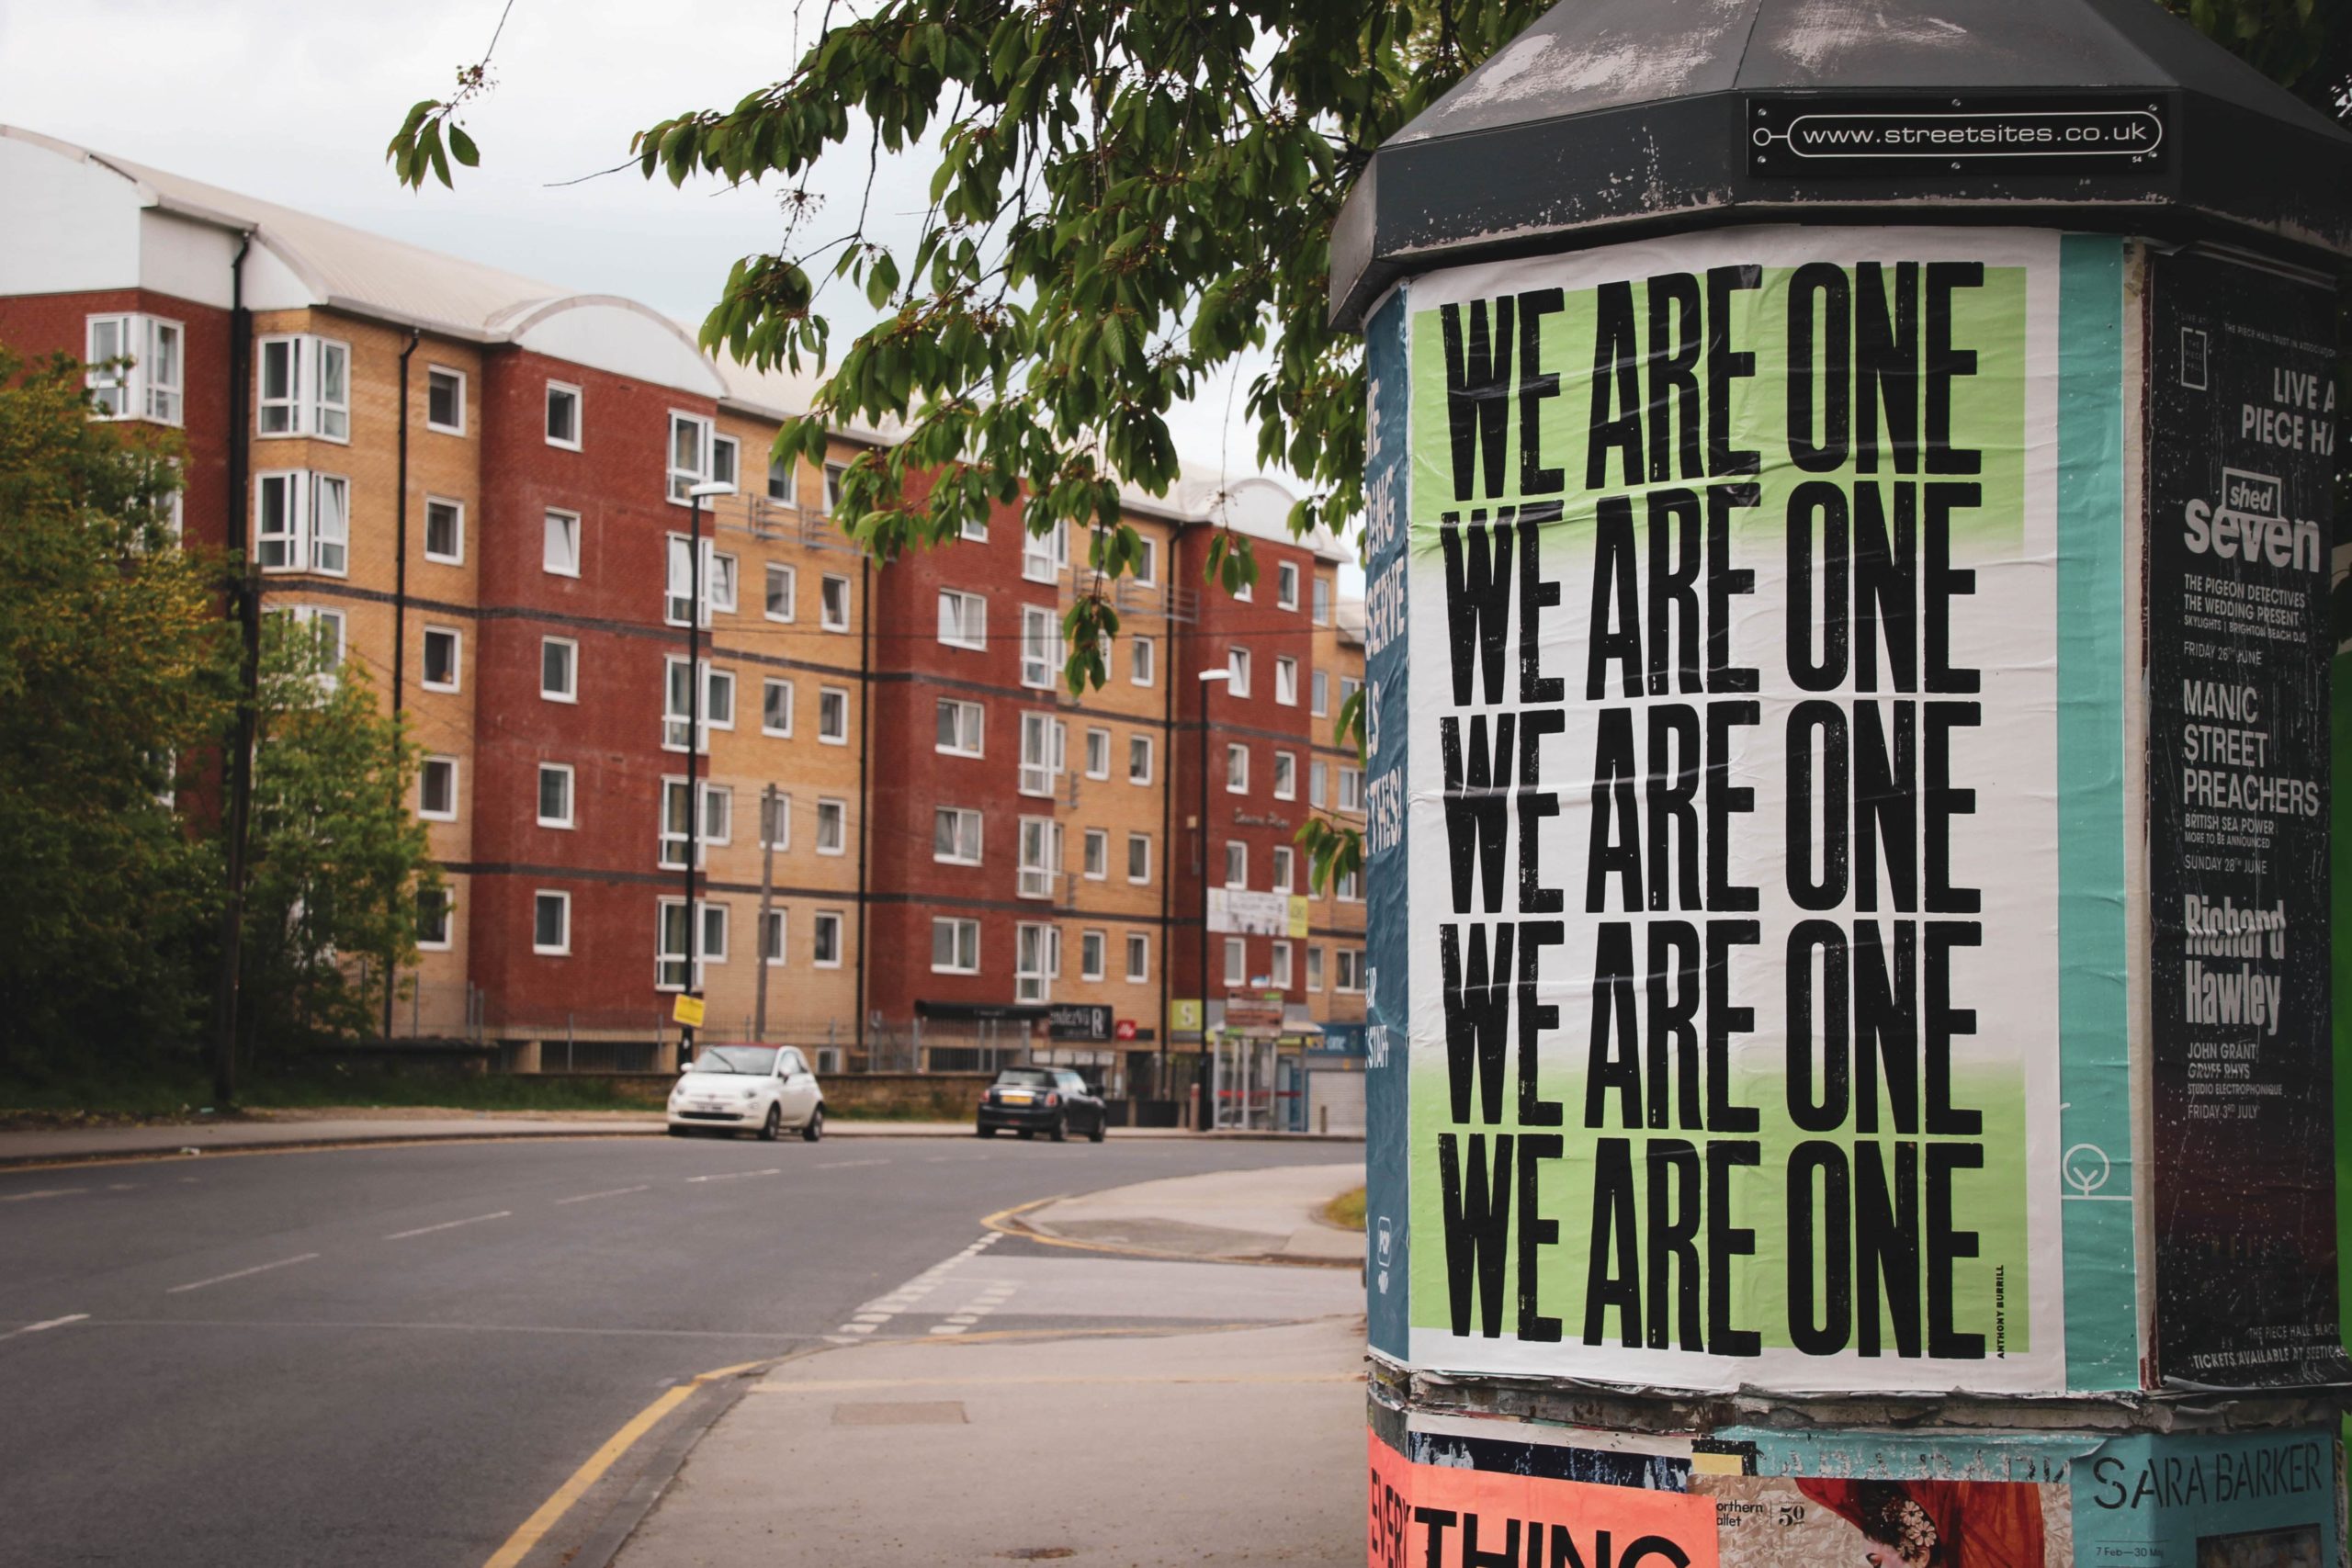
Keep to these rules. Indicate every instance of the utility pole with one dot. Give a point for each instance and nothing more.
(767, 896)
(694, 497)
(245, 600)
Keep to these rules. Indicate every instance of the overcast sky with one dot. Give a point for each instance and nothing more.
(293, 101)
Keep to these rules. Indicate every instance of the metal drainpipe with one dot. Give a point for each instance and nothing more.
(693, 741)
(399, 606)
(865, 751)
(1169, 667)
(246, 599)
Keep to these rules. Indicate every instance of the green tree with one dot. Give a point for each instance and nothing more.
(114, 668)
(1127, 195)
(336, 862)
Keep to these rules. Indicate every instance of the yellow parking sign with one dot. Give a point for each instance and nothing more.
(687, 1011)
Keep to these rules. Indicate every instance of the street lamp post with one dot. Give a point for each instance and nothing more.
(695, 495)
(1201, 825)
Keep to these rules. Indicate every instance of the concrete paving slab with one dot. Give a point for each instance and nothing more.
(1228, 1214)
(1078, 1286)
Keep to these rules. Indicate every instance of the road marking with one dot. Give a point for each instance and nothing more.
(279, 1325)
(44, 1192)
(534, 1528)
(736, 1174)
(256, 1269)
(450, 1225)
(44, 1326)
(615, 1192)
(851, 1164)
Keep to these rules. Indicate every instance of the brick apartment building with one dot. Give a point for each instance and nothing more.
(480, 481)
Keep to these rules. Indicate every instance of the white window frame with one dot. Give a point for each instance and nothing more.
(1322, 600)
(1319, 687)
(839, 697)
(714, 824)
(1097, 740)
(964, 708)
(424, 770)
(962, 620)
(776, 826)
(957, 819)
(719, 580)
(1278, 971)
(789, 468)
(823, 920)
(963, 944)
(457, 640)
(303, 412)
(790, 576)
(448, 900)
(1349, 977)
(1286, 586)
(1237, 962)
(1286, 781)
(1347, 886)
(1350, 789)
(706, 952)
(1313, 966)
(768, 685)
(313, 616)
(1038, 854)
(1094, 955)
(1094, 854)
(1318, 783)
(560, 523)
(1044, 559)
(458, 513)
(1140, 746)
(570, 795)
(316, 536)
(835, 473)
(775, 938)
(1043, 763)
(1286, 682)
(673, 715)
(1285, 869)
(1033, 972)
(1143, 661)
(839, 812)
(1237, 768)
(1237, 865)
(579, 408)
(1143, 840)
(561, 946)
(683, 478)
(152, 386)
(1146, 565)
(1040, 640)
(432, 423)
(1237, 665)
(569, 691)
(825, 618)
(726, 461)
(1138, 968)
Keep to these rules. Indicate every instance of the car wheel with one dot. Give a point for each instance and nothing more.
(985, 1132)
(814, 1127)
(775, 1124)
(1061, 1132)
(1102, 1125)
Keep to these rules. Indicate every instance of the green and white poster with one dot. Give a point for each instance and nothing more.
(1744, 667)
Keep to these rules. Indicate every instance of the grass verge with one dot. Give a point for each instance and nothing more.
(1346, 1210)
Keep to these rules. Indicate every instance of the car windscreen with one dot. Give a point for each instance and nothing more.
(1026, 1077)
(757, 1060)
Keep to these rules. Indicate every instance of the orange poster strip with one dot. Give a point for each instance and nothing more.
(1425, 1515)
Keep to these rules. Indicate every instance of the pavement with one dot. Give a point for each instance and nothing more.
(342, 1128)
(1101, 1445)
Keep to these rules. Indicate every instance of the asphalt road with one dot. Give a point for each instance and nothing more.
(393, 1356)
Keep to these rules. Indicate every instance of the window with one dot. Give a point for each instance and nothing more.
(713, 824)
(1237, 864)
(833, 604)
(551, 923)
(444, 400)
(1237, 664)
(782, 588)
(725, 451)
(825, 948)
(1317, 782)
(1322, 600)
(1139, 759)
(1320, 684)
(1286, 682)
(717, 704)
(1286, 586)
(1350, 977)
(437, 789)
(717, 581)
(1285, 775)
(560, 555)
(445, 531)
(1281, 975)
(772, 938)
(1036, 959)
(1041, 856)
(1139, 858)
(1349, 686)
(1097, 854)
(1138, 957)
(670, 964)
(442, 646)
(689, 454)
(1283, 859)
(304, 521)
(954, 836)
(1108, 646)
(1040, 640)
(1094, 955)
(327, 626)
(433, 908)
(962, 619)
(833, 827)
(775, 706)
(954, 947)
(1042, 740)
(305, 387)
(775, 821)
(835, 474)
(148, 386)
(1315, 968)
(960, 726)
(555, 795)
(1098, 752)
(782, 480)
(1143, 664)
(1351, 788)
(563, 416)
(1348, 887)
(1236, 769)
(1044, 558)
(1237, 962)
(832, 715)
(1146, 567)
(976, 530)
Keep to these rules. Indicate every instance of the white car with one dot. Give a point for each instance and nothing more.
(761, 1089)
